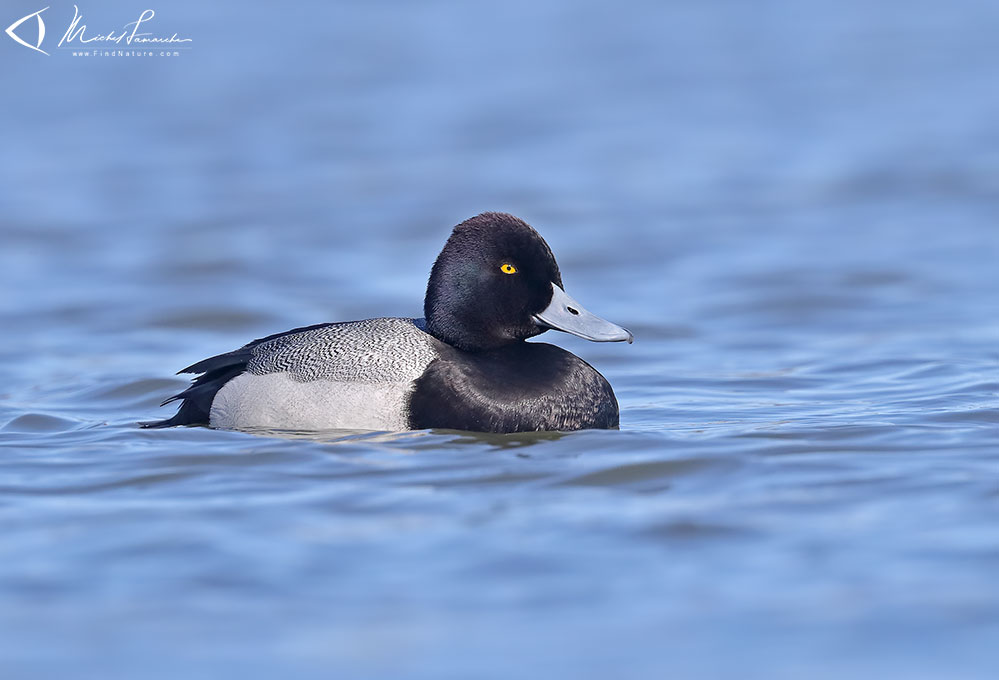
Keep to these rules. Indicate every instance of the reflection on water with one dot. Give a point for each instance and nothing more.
(794, 213)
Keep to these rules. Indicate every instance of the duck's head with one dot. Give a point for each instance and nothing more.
(496, 282)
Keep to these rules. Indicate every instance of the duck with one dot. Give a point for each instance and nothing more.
(465, 365)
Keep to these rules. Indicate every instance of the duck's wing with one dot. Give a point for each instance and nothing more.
(216, 371)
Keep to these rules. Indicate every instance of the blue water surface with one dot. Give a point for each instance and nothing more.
(795, 208)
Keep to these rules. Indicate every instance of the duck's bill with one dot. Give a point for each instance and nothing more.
(565, 314)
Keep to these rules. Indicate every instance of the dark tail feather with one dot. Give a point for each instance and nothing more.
(187, 414)
(237, 357)
(196, 405)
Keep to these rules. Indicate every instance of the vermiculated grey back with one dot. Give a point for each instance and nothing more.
(369, 351)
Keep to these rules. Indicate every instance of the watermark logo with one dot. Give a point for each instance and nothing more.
(85, 42)
(41, 32)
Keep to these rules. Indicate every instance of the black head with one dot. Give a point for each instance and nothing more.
(493, 276)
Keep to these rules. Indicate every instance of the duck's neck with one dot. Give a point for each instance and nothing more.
(470, 342)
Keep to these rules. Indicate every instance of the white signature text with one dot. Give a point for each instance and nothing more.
(129, 33)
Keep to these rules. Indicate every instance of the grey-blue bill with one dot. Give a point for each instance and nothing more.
(565, 314)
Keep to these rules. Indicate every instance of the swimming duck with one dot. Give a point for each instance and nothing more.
(464, 366)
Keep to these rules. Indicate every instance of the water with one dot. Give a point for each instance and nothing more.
(795, 210)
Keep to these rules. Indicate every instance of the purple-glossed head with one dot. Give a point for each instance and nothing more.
(496, 282)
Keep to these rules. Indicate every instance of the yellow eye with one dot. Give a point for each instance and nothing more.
(508, 268)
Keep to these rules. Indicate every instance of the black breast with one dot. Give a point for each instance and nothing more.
(521, 388)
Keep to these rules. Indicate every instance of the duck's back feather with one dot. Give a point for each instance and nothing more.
(282, 378)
